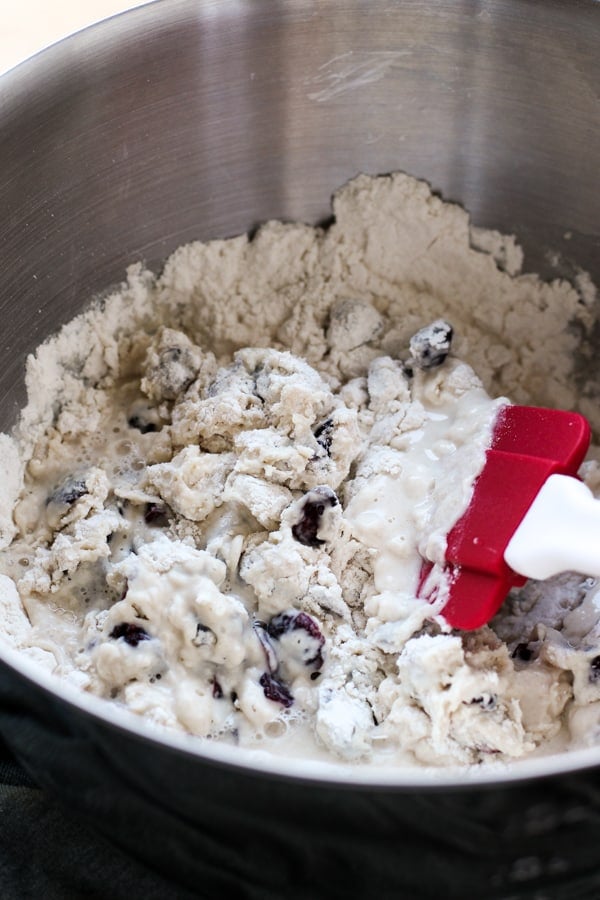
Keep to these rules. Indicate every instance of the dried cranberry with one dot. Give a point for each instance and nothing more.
(69, 492)
(141, 425)
(217, 690)
(284, 623)
(261, 632)
(280, 624)
(523, 652)
(324, 435)
(156, 514)
(204, 637)
(313, 506)
(594, 675)
(486, 701)
(430, 346)
(131, 633)
(275, 690)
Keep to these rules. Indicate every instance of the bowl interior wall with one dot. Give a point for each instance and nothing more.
(192, 119)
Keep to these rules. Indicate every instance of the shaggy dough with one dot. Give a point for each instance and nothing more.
(226, 479)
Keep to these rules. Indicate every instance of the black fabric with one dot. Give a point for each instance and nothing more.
(51, 853)
(47, 853)
(117, 817)
(11, 772)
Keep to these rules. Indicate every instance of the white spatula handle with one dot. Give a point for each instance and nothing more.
(560, 532)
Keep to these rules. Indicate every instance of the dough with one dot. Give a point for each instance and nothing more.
(227, 477)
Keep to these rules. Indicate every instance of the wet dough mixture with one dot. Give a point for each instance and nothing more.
(227, 477)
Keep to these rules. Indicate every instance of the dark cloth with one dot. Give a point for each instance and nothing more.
(210, 833)
(47, 853)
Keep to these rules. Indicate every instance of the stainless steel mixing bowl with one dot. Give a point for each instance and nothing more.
(201, 118)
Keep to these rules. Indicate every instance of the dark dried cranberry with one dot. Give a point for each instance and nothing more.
(204, 637)
(131, 633)
(284, 623)
(523, 652)
(217, 690)
(313, 506)
(430, 346)
(486, 701)
(156, 514)
(484, 748)
(324, 435)
(281, 624)
(595, 670)
(304, 621)
(306, 529)
(275, 690)
(261, 632)
(140, 425)
(69, 492)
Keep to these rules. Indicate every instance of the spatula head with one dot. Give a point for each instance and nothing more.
(528, 445)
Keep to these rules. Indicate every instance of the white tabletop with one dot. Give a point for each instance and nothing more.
(27, 26)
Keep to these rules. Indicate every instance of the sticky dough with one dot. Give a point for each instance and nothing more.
(226, 479)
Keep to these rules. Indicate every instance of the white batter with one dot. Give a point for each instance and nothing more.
(227, 478)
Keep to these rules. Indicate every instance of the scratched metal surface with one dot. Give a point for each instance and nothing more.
(227, 113)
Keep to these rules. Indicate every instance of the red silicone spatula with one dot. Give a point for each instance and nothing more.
(511, 521)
